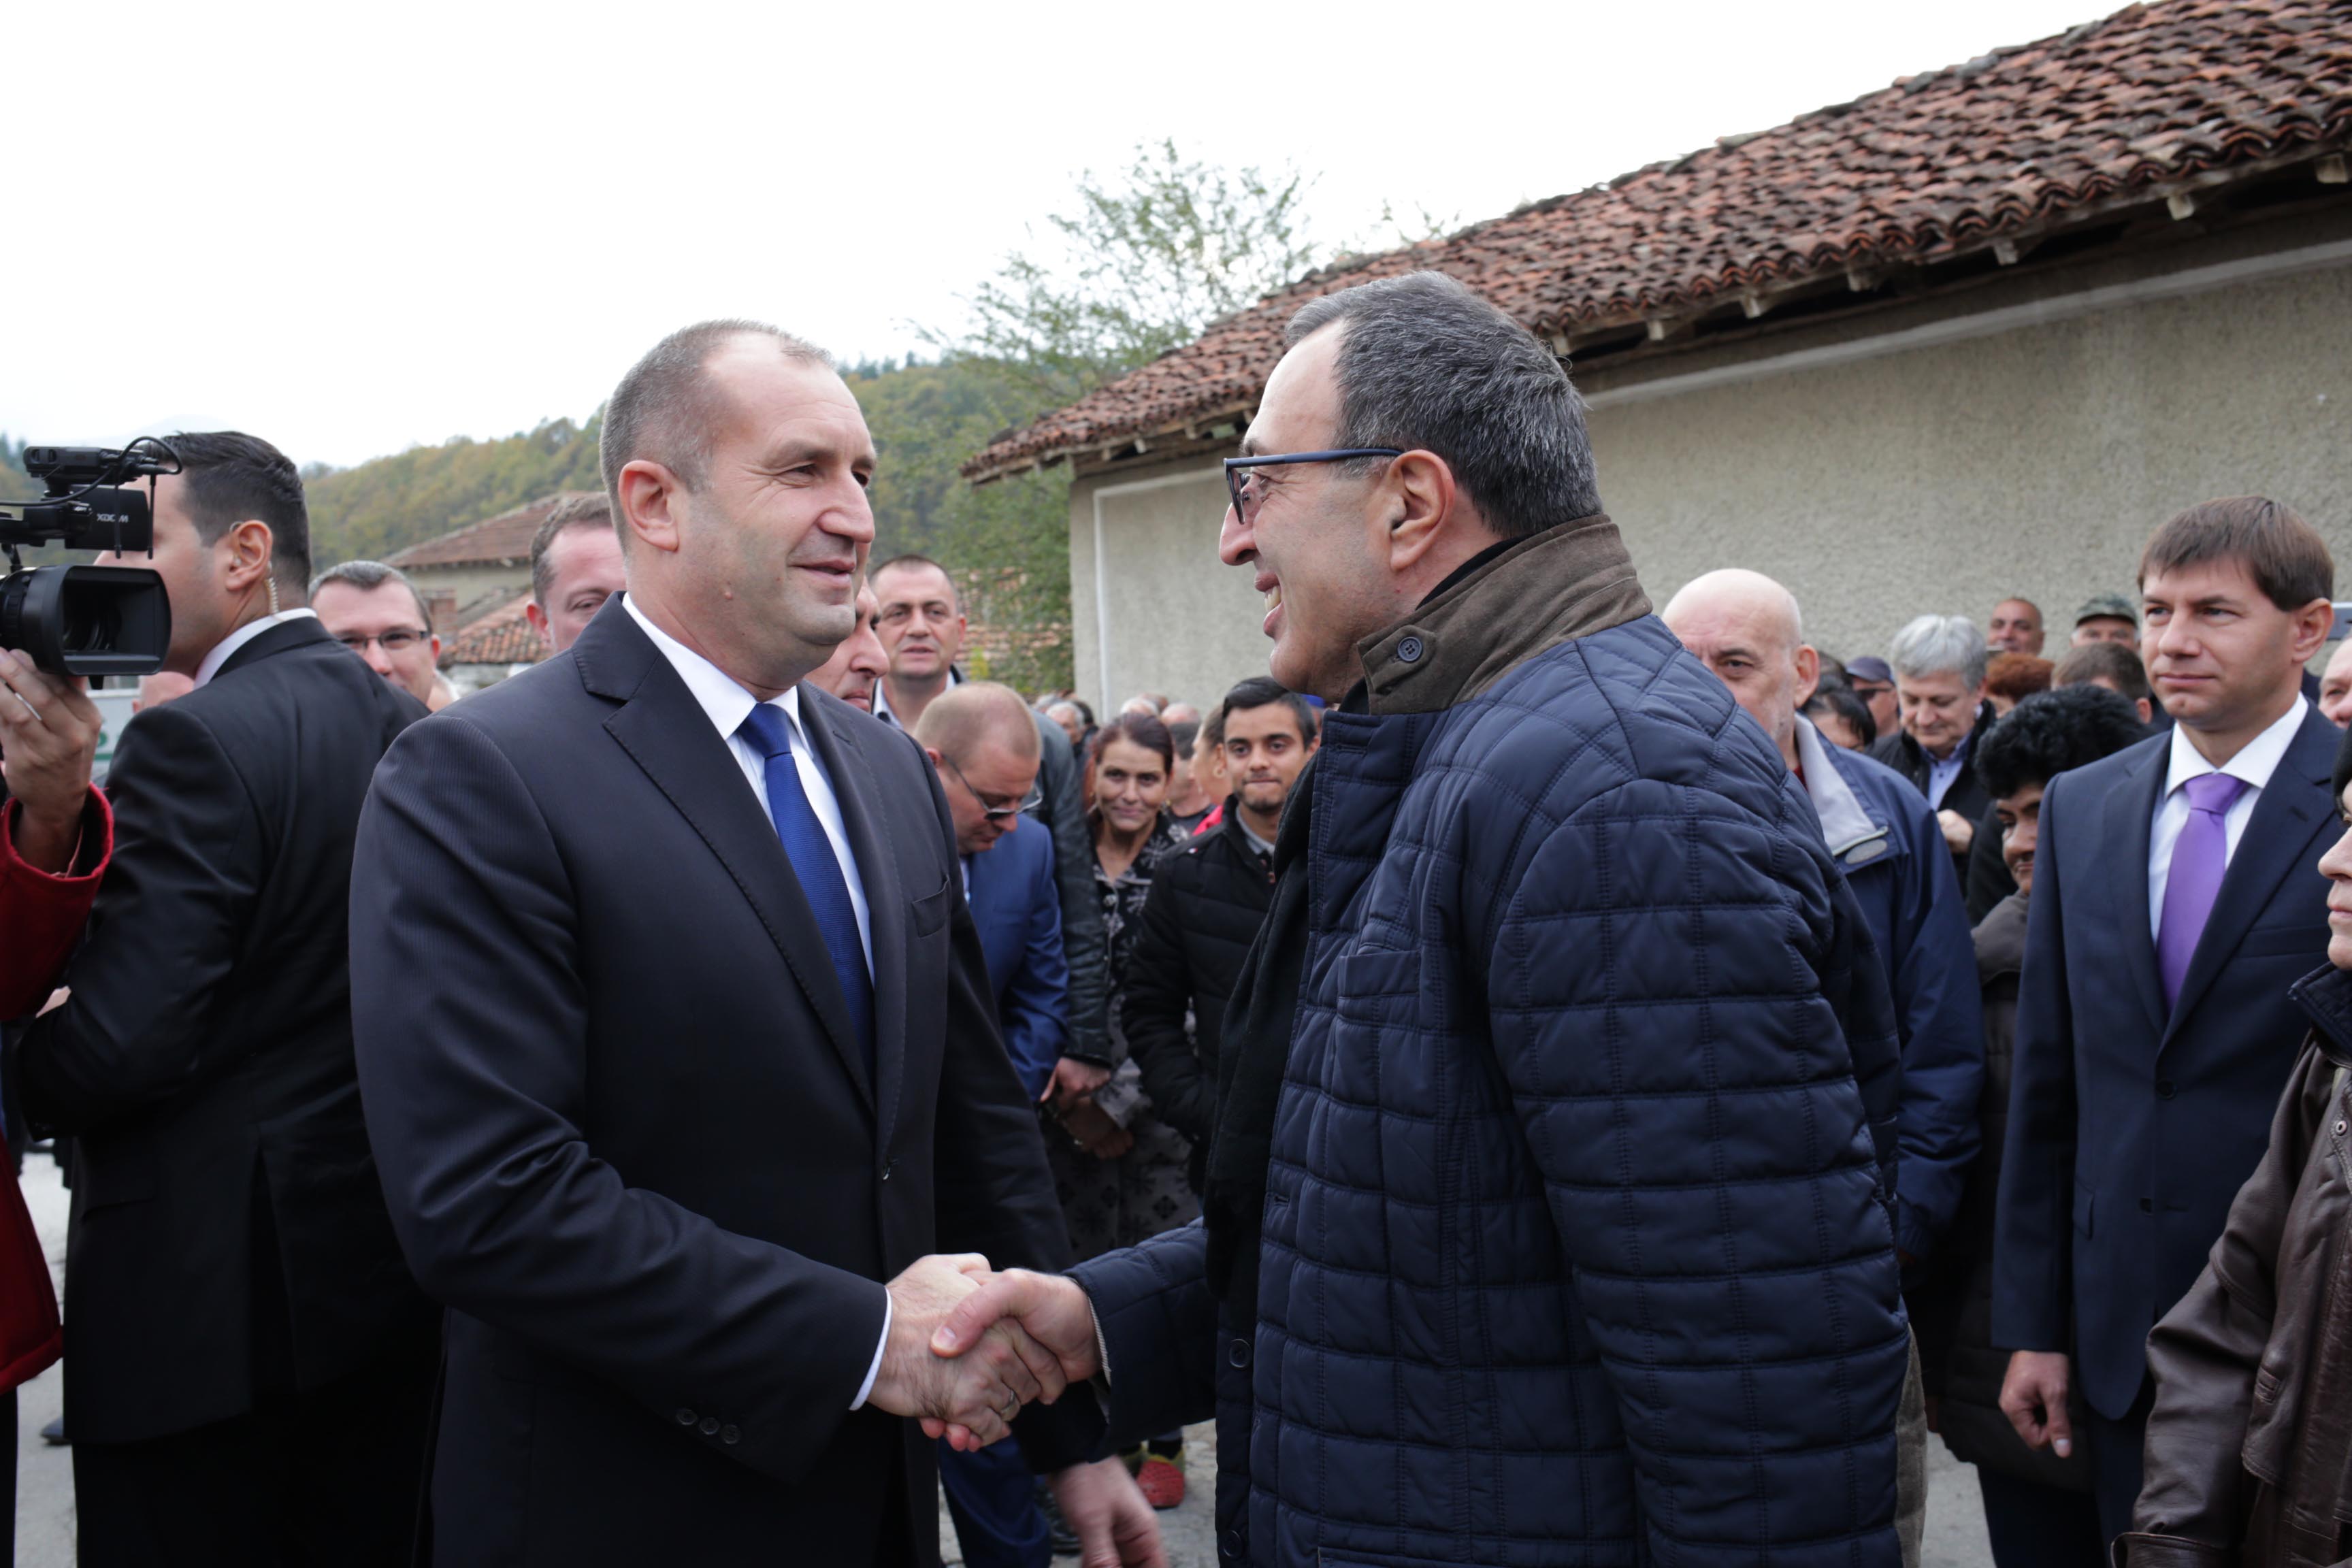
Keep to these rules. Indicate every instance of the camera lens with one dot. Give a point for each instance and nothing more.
(93, 625)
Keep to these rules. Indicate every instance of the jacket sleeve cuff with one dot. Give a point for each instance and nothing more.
(2138, 1550)
(881, 1343)
(89, 858)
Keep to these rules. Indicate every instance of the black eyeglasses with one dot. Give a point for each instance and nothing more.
(1029, 802)
(400, 639)
(1246, 501)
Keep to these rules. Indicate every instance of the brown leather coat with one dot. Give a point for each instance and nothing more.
(2250, 1447)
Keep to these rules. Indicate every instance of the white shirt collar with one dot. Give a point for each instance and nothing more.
(723, 700)
(882, 697)
(242, 636)
(2255, 761)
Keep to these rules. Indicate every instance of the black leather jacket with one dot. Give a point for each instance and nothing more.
(2249, 1455)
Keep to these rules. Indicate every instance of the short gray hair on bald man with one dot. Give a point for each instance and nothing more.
(1427, 365)
(665, 406)
(1939, 645)
(964, 718)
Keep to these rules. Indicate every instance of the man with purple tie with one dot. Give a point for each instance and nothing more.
(2175, 896)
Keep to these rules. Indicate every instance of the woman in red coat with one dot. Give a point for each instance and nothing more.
(56, 836)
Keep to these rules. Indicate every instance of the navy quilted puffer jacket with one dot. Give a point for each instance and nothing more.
(1576, 1242)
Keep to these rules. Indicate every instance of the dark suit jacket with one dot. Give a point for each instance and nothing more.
(1017, 905)
(2130, 1131)
(628, 1136)
(1967, 795)
(204, 1065)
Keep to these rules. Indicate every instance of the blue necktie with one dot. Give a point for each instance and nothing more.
(816, 865)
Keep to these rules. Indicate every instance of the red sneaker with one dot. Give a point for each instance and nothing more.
(1162, 1482)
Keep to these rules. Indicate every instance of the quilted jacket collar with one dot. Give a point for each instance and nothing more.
(1565, 583)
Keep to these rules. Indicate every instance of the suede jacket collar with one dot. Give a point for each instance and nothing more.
(1565, 583)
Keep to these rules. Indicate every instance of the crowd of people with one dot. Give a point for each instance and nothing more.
(1553, 1080)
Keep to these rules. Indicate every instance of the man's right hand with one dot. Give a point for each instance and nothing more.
(1051, 1312)
(2033, 1397)
(979, 1391)
(48, 742)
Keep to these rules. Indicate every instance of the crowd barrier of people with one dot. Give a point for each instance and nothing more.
(1552, 1080)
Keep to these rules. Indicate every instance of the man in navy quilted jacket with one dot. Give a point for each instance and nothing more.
(1546, 1210)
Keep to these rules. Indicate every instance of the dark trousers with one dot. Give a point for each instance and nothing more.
(2033, 1526)
(329, 1476)
(2116, 1451)
(993, 1501)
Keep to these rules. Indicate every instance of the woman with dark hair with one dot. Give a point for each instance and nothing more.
(2038, 1506)
(1121, 1169)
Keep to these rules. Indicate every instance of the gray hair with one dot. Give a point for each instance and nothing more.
(1425, 363)
(367, 577)
(665, 406)
(1939, 644)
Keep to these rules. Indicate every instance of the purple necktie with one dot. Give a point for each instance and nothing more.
(2200, 856)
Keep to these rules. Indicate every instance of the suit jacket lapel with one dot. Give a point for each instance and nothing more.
(877, 869)
(665, 731)
(2130, 812)
(2287, 816)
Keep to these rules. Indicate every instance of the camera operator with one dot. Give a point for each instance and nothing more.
(56, 832)
(250, 1366)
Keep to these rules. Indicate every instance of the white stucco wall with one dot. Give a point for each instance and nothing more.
(2035, 461)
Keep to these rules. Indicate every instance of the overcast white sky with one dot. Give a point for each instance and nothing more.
(355, 228)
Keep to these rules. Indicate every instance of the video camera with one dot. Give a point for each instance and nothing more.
(87, 620)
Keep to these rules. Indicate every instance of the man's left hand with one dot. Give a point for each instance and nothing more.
(48, 742)
(1107, 1511)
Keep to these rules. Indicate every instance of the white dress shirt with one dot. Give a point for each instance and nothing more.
(2255, 761)
(727, 705)
(245, 634)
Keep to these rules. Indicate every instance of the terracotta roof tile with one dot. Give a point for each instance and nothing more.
(1932, 165)
(500, 539)
(502, 636)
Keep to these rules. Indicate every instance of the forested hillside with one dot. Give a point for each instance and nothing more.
(386, 504)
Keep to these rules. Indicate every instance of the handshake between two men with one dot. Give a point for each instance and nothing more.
(968, 1347)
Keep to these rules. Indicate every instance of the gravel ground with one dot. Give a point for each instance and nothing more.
(45, 1507)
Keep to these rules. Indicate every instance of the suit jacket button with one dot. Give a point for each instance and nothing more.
(2164, 1088)
(1238, 1352)
(730, 1433)
(685, 1417)
(710, 1426)
(887, 1167)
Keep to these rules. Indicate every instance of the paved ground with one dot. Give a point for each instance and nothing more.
(45, 1508)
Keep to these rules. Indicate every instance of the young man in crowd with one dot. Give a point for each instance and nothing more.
(2246, 1451)
(2038, 1506)
(922, 626)
(250, 1366)
(575, 566)
(377, 611)
(1206, 907)
(2016, 628)
(1487, 1067)
(2175, 902)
